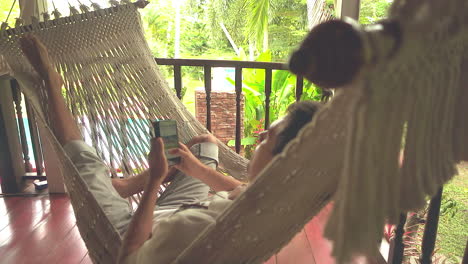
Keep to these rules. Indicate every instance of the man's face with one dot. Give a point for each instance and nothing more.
(264, 151)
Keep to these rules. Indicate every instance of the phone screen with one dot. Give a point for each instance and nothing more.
(167, 129)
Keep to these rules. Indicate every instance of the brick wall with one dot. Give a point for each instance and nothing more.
(223, 113)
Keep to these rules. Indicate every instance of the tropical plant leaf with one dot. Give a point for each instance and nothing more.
(244, 142)
(257, 20)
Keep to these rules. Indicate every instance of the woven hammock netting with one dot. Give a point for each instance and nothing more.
(410, 96)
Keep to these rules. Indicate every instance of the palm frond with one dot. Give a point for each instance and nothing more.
(257, 19)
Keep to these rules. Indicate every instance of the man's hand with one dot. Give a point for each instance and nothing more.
(192, 166)
(37, 54)
(157, 160)
(189, 164)
(200, 139)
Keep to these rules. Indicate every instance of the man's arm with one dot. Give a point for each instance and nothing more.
(191, 166)
(136, 184)
(132, 185)
(62, 122)
(140, 228)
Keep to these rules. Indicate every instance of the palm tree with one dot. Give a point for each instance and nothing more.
(318, 11)
(257, 21)
(258, 14)
(177, 5)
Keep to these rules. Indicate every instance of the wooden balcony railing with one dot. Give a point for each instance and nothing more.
(238, 66)
(33, 133)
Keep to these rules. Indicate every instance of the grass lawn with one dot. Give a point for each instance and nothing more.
(189, 96)
(453, 231)
(188, 84)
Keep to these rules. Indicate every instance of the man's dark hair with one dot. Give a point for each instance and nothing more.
(299, 114)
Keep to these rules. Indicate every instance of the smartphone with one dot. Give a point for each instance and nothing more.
(167, 130)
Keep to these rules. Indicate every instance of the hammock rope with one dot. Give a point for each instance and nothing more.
(349, 153)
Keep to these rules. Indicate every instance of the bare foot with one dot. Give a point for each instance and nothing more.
(37, 54)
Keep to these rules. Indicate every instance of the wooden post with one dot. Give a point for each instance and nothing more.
(54, 172)
(207, 71)
(11, 135)
(7, 179)
(299, 87)
(348, 8)
(465, 255)
(430, 231)
(35, 140)
(238, 86)
(53, 168)
(268, 81)
(126, 169)
(17, 98)
(178, 81)
(397, 247)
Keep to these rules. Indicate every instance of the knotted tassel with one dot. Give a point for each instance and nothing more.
(84, 8)
(19, 22)
(460, 126)
(56, 13)
(114, 3)
(95, 6)
(141, 3)
(369, 180)
(34, 20)
(74, 11)
(369, 183)
(4, 26)
(451, 72)
(428, 159)
(46, 16)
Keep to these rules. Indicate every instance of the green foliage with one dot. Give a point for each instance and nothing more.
(158, 19)
(282, 23)
(453, 227)
(188, 97)
(196, 43)
(282, 95)
(247, 21)
(288, 28)
(232, 13)
(373, 10)
(5, 6)
(311, 92)
(449, 207)
(257, 22)
(278, 25)
(195, 40)
(244, 142)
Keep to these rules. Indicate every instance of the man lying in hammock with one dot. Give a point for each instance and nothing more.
(162, 227)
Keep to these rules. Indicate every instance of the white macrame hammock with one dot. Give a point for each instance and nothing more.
(350, 150)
